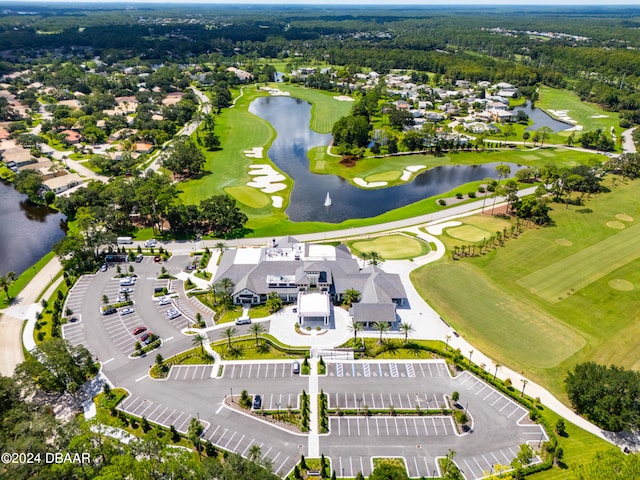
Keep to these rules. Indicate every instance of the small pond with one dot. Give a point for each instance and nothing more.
(541, 119)
(290, 117)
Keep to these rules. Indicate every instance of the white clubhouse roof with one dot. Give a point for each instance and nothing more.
(314, 305)
(248, 256)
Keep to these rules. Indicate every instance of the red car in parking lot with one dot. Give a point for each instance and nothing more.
(139, 330)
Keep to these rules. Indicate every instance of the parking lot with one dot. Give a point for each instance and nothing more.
(191, 372)
(261, 370)
(157, 412)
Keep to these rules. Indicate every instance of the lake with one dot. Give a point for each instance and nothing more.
(27, 231)
(290, 117)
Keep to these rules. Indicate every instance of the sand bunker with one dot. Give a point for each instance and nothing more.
(276, 92)
(266, 178)
(563, 115)
(564, 242)
(255, 152)
(615, 225)
(624, 217)
(343, 98)
(437, 229)
(622, 285)
(363, 183)
(410, 170)
(276, 201)
(599, 116)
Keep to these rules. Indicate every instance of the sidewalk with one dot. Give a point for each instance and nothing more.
(24, 307)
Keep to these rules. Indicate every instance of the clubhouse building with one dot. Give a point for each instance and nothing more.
(312, 276)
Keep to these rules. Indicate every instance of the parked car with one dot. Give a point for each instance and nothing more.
(109, 311)
(126, 311)
(139, 258)
(243, 321)
(103, 268)
(164, 301)
(125, 290)
(174, 314)
(257, 402)
(139, 330)
(149, 339)
(156, 259)
(150, 243)
(144, 337)
(296, 367)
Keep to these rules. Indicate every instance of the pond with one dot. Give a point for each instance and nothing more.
(290, 117)
(27, 231)
(541, 119)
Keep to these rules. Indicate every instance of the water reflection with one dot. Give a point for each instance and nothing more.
(541, 119)
(27, 231)
(290, 118)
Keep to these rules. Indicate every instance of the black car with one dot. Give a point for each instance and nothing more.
(257, 402)
(109, 311)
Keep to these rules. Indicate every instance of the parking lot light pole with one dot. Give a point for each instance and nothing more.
(231, 390)
(359, 400)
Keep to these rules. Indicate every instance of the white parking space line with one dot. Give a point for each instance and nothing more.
(424, 424)
(265, 455)
(433, 420)
(235, 449)
(282, 465)
(275, 458)
(415, 426)
(468, 466)
(142, 378)
(245, 450)
(229, 441)
(213, 434)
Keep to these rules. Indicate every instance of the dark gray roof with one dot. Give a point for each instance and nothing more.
(373, 312)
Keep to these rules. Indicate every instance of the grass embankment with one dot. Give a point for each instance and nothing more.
(24, 278)
(391, 247)
(577, 309)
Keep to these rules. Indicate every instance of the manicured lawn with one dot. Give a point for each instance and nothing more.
(581, 112)
(483, 297)
(392, 247)
(325, 109)
(252, 197)
(386, 168)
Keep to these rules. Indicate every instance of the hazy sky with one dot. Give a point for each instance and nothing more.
(355, 2)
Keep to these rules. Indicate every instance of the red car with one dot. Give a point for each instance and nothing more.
(139, 330)
(156, 259)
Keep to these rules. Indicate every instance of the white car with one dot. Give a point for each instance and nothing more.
(173, 313)
(150, 243)
(125, 290)
(126, 311)
(164, 301)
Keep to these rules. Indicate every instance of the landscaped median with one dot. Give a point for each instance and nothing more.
(246, 347)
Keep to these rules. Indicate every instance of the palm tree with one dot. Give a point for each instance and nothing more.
(364, 256)
(225, 289)
(503, 171)
(256, 329)
(212, 288)
(447, 338)
(350, 296)
(199, 340)
(6, 281)
(375, 258)
(221, 246)
(254, 453)
(496, 371)
(486, 181)
(406, 328)
(381, 327)
(355, 327)
(229, 333)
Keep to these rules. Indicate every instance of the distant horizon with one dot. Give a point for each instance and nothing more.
(347, 3)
